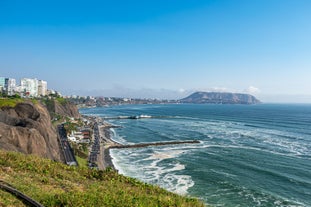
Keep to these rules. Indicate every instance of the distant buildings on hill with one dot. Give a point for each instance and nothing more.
(7, 85)
(29, 87)
(89, 101)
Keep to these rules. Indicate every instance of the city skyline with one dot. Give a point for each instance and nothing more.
(28, 87)
(161, 49)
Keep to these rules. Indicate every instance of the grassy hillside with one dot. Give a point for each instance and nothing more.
(56, 184)
(9, 102)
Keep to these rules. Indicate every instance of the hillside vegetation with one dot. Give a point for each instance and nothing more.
(55, 184)
(6, 102)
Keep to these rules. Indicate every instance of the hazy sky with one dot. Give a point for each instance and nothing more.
(160, 48)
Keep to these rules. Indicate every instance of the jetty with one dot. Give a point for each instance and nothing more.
(141, 145)
(138, 117)
(100, 157)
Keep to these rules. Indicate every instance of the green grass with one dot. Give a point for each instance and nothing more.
(81, 161)
(56, 184)
(34, 101)
(12, 101)
(61, 100)
(7, 199)
(9, 102)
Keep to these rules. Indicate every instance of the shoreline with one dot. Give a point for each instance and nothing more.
(109, 143)
(104, 157)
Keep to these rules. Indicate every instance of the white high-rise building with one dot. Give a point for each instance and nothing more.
(7, 85)
(2, 83)
(29, 87)
(10, 86)
(42, 88)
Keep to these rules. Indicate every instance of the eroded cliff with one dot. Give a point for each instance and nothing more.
(27, 128)
(62, 107)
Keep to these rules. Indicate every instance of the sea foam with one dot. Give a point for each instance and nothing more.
(147, 165)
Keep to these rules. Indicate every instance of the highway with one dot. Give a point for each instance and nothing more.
(95, 150)
(65, 146)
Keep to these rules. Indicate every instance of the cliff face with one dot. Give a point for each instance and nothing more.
(220, 98)
(64, 109)
(27, 128)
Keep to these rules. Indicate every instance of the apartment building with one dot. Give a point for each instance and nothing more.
(29, 87)
(42, 88)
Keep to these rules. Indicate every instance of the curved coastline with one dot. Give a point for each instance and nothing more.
(108, 143)
(229, 145)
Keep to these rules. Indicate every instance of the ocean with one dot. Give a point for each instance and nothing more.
(248, 155)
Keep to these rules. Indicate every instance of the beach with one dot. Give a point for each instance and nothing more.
(104, 157)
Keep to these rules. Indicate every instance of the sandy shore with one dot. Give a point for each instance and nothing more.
(104, 159)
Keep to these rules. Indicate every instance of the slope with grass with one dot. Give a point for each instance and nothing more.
(55, 184)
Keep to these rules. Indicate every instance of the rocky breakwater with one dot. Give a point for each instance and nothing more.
(141, 145)
(27, 128)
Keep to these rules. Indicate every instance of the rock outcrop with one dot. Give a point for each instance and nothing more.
(220, 98)
(65, 108)
(27, 128)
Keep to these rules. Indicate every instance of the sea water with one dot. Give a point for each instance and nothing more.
(248, 155)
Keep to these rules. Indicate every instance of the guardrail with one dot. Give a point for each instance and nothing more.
(21, 196)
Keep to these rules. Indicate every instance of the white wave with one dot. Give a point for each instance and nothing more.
(148, 167)
(225, 132)
(286, 154)
(116, 161)
(117, 138)
(183, 183)
(166, 153)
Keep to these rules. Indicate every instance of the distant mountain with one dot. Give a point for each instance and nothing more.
(220, 98)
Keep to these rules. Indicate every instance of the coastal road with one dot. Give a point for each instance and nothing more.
(94, 160)
(65, 146)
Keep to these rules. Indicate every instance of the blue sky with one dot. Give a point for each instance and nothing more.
(160, 48)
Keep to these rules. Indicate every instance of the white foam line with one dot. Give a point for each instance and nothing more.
(254, 148)
(117, 138)
(115, 161)
(154, 173)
